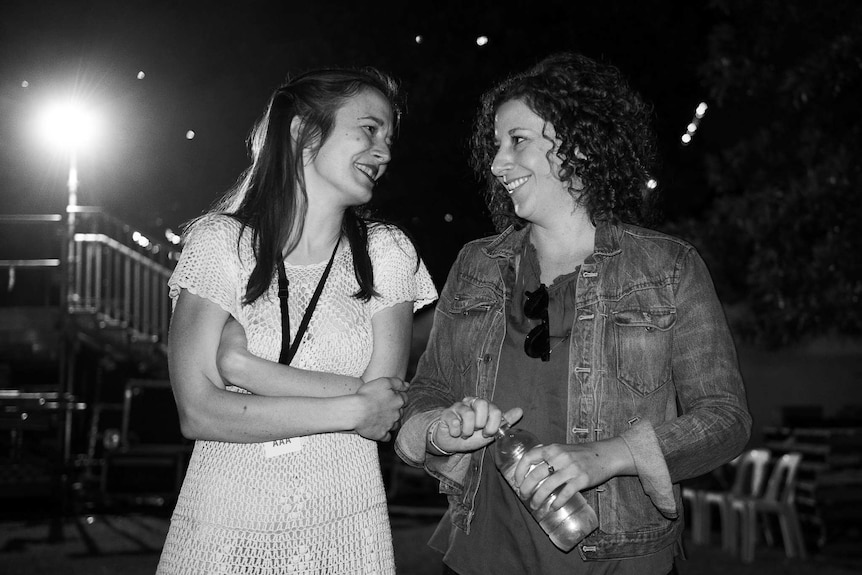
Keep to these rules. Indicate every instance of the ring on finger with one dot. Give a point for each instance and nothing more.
(550, 467)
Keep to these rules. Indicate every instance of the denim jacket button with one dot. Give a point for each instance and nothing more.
(486, 358)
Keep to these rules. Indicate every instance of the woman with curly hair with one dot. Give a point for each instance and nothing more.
(605, 339)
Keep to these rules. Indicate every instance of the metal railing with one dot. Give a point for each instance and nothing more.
(40, 268)
(120, 286)
(107, 273)
(30, 219)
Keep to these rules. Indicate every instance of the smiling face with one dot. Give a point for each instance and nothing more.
(525, 143)
(354, 156)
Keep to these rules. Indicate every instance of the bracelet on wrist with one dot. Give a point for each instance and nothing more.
(437, 449)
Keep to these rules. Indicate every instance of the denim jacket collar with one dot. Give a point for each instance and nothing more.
(509, 242)
(608, 239)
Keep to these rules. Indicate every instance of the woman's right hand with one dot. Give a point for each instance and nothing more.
(382, 401)
(471, 424)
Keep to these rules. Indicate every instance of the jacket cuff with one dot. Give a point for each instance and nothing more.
(410, 446)
(652, 470)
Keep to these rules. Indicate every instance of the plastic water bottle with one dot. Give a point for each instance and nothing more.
(567, 526)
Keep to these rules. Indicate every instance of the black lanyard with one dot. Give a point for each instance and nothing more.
(288, 350)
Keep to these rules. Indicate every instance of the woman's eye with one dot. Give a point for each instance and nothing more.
(371, 129)
(517, 140)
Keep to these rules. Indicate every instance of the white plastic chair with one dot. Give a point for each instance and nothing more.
(779, 500)
(749, 476)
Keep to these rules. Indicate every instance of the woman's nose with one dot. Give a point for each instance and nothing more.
(501, 164)
(382, 152)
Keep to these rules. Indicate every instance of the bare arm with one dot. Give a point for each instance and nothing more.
(392, 329)
(207, 411)
(237, 366)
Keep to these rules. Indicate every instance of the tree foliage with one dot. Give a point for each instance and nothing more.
(784, 232)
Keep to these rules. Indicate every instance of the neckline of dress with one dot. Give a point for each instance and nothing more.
(321, 264)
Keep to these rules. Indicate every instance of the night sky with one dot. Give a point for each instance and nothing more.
(210, 66)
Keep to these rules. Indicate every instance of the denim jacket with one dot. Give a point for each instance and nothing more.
(651, 360)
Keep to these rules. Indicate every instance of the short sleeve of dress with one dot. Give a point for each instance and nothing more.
(209, 265)
(397, 278)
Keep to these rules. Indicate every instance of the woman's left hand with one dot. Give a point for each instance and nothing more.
(579, 466)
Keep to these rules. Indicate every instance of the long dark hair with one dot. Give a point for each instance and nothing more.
(594, 111)
(270, 197)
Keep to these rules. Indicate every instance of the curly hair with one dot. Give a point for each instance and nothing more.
(605, 129)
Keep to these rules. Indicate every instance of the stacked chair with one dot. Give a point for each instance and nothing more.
(778, 501)
(748, 480)
(751, 503)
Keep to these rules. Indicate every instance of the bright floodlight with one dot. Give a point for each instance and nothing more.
(481, 40)
(69, 125)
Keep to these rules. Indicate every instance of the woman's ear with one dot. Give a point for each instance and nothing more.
(578, 183)
(295, 127)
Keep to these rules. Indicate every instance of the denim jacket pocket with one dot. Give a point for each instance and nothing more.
(472, 312)
(644, 340)
(469, 304)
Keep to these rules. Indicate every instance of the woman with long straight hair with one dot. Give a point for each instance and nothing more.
(289, 342)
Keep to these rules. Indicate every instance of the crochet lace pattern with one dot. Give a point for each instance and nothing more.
(318, 510)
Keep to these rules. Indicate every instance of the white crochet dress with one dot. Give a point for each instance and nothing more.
(322, 508)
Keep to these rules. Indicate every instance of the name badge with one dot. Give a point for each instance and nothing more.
(282, 446)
